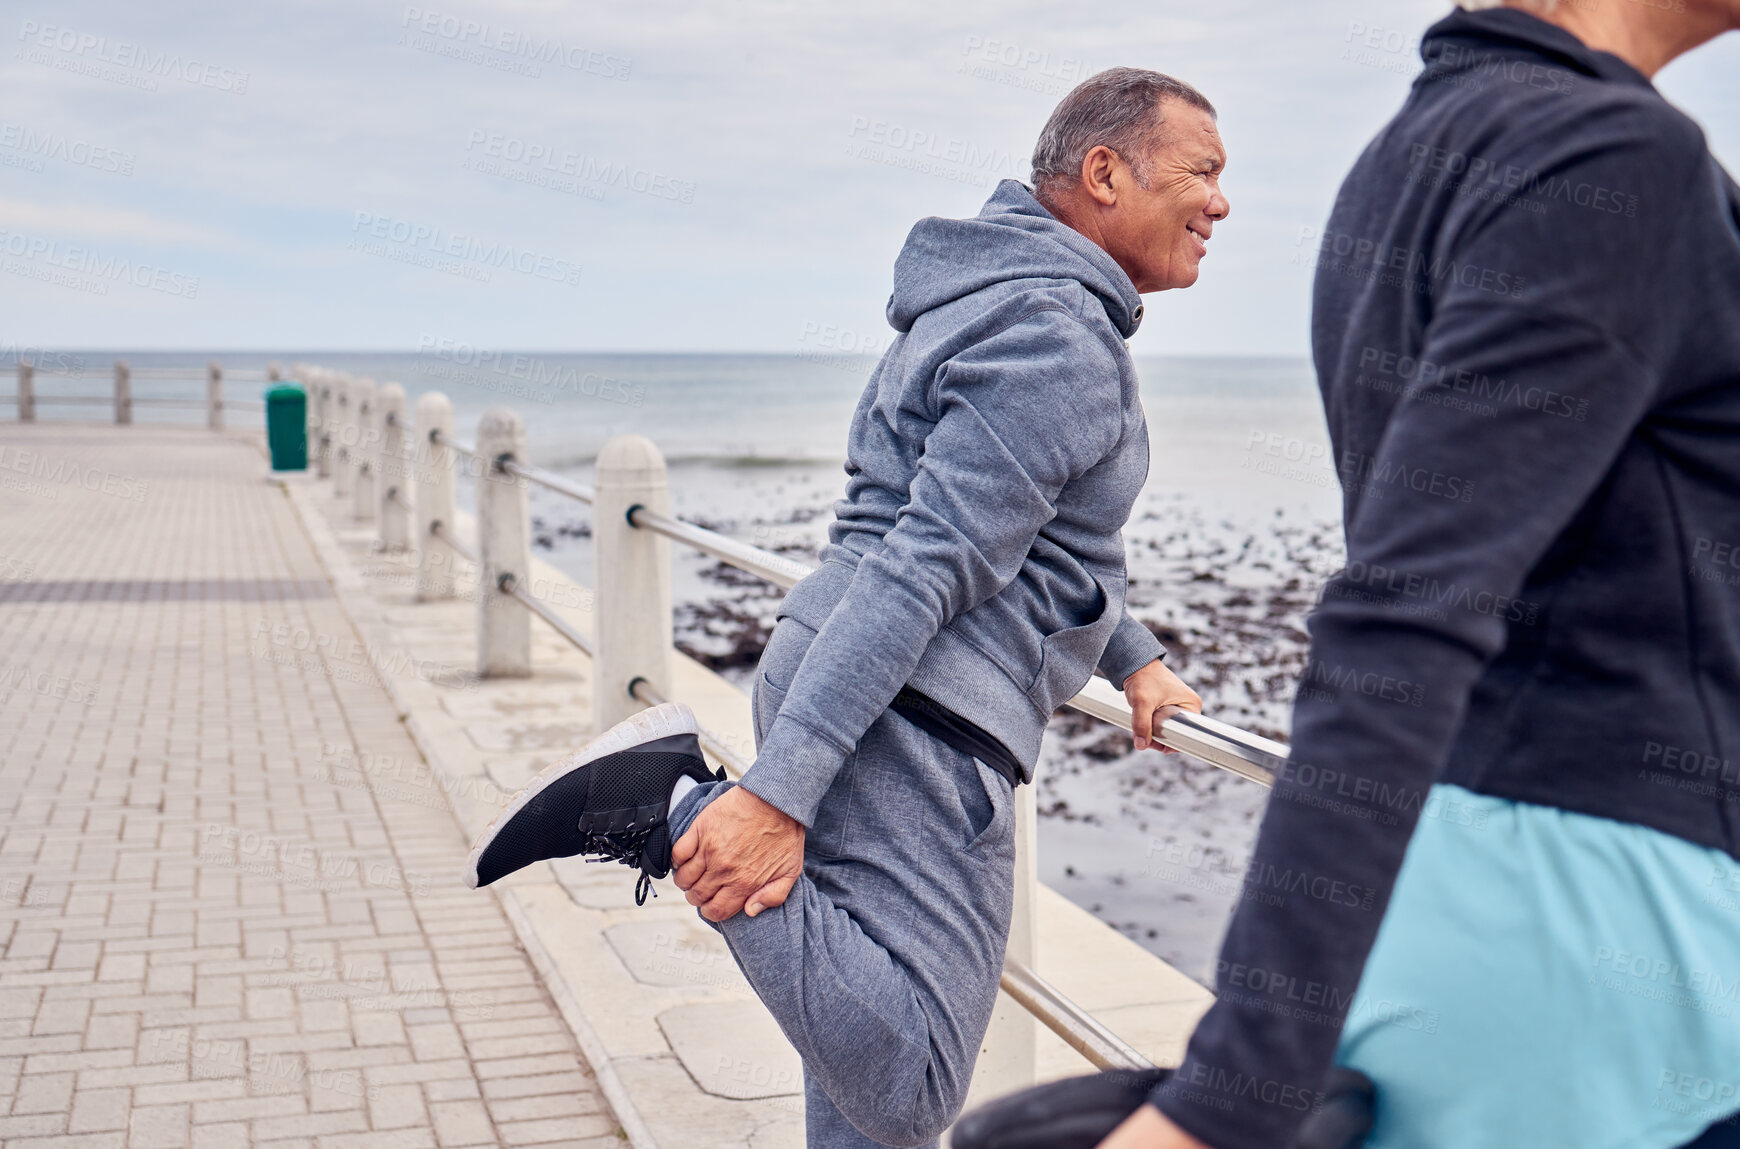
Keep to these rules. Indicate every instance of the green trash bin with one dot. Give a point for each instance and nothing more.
(287, 427)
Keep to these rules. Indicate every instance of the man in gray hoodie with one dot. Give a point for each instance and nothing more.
(973, 581)
(862, 871)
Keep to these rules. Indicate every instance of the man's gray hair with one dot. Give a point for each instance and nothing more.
(1120, 108)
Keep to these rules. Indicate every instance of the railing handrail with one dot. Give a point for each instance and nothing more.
(1250, 756)
(1080, 1030)
(577, 491)
(136, 400)
(510, 586)
(441, 440)
(440, 531)
(777, 569)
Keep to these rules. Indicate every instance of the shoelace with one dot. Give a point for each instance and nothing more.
(625, 848)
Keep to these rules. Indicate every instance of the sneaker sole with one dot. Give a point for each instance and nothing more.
(661, 721)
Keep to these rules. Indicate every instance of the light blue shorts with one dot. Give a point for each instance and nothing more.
(1549, 979)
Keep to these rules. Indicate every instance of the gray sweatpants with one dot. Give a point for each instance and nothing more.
(882, 966)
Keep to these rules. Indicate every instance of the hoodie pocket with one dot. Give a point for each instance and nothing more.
(1067, 657)
(779, 664)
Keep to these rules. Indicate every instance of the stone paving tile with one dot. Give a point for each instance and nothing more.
(207, 939)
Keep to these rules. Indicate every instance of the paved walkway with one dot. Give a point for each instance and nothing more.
(230, 907)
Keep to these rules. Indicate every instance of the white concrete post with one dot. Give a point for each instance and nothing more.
(214, 395)
(342, 470)
(392, 471)
(1008, 1059)
(123, 392)
(632, 579)
(27, 393)
(368, 438)
(300, 376)
(320, 395)
(433, 466)
(504, 627)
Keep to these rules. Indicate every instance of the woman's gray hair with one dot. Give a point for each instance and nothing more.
(1120, 108)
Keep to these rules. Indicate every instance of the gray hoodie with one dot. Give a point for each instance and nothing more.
(992, 463)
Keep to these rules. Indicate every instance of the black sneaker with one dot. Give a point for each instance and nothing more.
(610, 800)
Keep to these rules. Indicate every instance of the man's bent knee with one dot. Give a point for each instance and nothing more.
(931, 1112)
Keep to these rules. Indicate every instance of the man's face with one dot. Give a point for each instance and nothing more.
(1159, 234)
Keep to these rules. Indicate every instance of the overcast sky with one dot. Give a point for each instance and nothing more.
(667, 174)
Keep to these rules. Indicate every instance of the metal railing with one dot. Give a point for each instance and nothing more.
(26, 400)
(624, 509)
(441, 531)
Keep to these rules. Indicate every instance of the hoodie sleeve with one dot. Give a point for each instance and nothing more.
(1019, 415)
(1132, 647)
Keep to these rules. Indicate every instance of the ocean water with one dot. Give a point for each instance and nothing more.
(1236, 529)
(1245, 431)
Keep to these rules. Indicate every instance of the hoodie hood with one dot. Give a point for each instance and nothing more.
(1012, 237)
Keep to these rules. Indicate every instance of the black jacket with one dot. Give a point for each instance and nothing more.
(1527, 333)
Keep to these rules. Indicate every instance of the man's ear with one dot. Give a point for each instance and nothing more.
(1099, 169)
